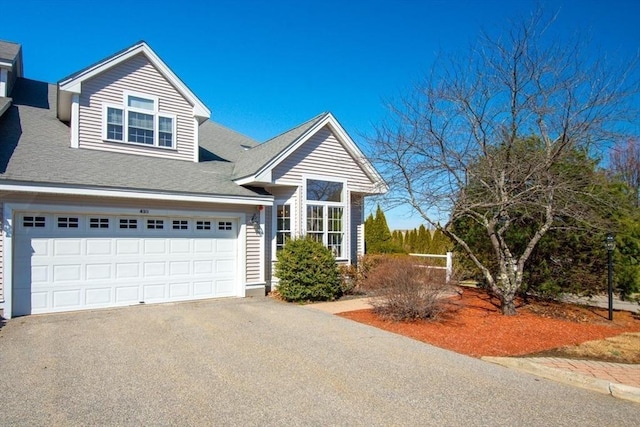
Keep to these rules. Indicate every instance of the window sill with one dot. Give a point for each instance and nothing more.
(136, 144)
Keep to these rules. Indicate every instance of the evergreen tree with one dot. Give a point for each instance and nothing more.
(369, 233)
(440, 243)
(398, 240)
(412, 240)
(378, 238)
(424, 240)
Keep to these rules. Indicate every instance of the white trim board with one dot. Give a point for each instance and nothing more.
(132, 194)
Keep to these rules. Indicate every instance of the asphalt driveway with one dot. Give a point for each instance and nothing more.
(261, 362)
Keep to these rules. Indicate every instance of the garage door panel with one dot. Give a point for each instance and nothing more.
(128, 294)
(224, 287)
(225, 266)
(67, 298)
(127, 270)
(203, 288)
(98, 247)
(154, 246)
(99, 296)
(203, 246)
(154, 269)
(65, 247)
(39, 274)
(180, 246)
(127, 246)
(66, 273)
(39, 302)
(179, 290)
(154, 292)
(98, 272)
(203, 267)
(179, 268)
(225, 246)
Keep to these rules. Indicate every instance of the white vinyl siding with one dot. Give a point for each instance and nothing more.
(322, 154)
(109, 88)
(268, 273)
(357, 227)
(253, 254)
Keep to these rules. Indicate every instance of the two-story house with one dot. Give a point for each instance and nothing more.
(117, 189)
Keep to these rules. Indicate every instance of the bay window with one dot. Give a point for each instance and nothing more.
(325, 207)
(138, 121)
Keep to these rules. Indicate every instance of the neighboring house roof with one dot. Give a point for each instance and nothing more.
(5, 103)
(34, 150)
(8, 52)
(73, 83)
(256, 165)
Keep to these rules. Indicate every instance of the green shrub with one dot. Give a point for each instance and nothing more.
(307, 272)
(404, 289)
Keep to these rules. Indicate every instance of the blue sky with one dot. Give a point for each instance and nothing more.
(263, 67)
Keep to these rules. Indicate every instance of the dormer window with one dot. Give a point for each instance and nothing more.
(139, 122)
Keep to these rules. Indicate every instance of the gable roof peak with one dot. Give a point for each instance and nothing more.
(73, 83)
(256, 165)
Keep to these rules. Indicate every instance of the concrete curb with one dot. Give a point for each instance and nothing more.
(621, 391)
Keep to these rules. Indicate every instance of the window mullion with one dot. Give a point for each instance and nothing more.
(126, 123)
(325, 224)
(156, 130)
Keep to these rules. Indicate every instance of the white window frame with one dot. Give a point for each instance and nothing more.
(276, 230)
(344, 204)
(125, 108)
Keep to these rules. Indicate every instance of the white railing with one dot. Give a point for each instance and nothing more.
(449, 265)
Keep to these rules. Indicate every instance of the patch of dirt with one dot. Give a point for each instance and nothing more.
(624, 348)
(472, 324)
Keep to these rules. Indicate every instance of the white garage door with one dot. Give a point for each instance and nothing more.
(66, 262)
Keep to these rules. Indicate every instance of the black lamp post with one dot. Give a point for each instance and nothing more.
(610, 245)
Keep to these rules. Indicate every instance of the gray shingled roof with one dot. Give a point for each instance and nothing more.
(34, 148)
(8, 50)
(256, 158)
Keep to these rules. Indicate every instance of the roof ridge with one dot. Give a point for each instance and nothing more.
(317, 117)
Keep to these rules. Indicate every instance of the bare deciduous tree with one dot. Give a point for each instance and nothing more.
(625, 164)
(490, 138)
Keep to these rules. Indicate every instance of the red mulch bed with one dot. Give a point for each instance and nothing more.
(473, 325)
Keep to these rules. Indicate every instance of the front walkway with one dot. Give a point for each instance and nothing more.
(620, 373)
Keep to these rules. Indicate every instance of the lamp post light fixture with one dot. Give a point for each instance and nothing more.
(610, 244)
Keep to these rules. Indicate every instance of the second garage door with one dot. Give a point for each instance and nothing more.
(66, 262)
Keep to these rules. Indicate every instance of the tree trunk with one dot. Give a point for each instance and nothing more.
(508, 306)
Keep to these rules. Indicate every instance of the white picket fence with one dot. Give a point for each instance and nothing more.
(448, 267)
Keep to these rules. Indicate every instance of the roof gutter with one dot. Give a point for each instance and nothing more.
(133, 194)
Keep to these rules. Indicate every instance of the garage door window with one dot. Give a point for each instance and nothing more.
(33, 221)
(203, 225)
(128, 223)
(180, 224)
(67, 222)
(98, 222)
(224, 225)
(155, 224)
